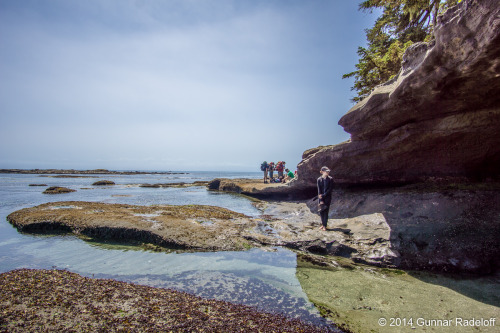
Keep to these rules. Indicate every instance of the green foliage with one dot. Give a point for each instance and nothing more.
(401, 24)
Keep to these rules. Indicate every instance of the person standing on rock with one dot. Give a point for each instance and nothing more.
(271, 171)
(325, 186)
(280, 166)
(264, 167)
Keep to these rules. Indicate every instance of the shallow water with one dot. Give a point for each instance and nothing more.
(264, 278)
(367, 299)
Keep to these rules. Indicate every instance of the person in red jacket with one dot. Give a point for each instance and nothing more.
(280, 167)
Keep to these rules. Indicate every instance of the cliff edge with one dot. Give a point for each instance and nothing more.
(424, 153)
(439, 119)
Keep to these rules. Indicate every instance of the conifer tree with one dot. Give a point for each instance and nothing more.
(401, 24)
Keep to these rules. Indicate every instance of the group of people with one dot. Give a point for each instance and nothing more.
(284, 174)
(324, 184)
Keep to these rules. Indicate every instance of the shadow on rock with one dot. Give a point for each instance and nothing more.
(449, 231)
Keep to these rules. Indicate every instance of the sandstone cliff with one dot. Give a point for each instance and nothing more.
(439, 119)
(435, 129)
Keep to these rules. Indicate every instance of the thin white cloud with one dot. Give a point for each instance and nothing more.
(215, 80)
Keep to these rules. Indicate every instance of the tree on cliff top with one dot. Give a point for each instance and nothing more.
(401, 24)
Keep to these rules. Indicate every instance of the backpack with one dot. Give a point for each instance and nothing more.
(263, 166)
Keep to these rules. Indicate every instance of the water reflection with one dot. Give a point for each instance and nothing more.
(261, 278)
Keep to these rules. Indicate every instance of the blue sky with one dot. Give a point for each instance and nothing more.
(173, 84)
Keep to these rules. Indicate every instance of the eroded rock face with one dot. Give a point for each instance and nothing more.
(439, 119)
(427, 230)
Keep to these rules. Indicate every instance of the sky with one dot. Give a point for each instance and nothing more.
(215, 85)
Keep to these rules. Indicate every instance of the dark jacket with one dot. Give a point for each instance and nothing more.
(325, 186)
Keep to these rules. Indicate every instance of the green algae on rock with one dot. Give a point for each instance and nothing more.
(357, 296)
(103, 183)
(57, 190)
(163, 225)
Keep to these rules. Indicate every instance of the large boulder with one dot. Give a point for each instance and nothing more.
(439, 119)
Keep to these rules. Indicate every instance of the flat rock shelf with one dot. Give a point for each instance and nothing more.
(186, 227)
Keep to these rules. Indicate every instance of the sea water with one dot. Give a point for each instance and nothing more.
(264, 278)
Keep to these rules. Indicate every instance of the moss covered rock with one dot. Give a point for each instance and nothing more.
(58, 190)
(104, 182)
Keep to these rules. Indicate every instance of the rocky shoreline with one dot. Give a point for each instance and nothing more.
(439, 227)
(65, 172)
(424, 154)
(58, 300)
(203, 228)
(175, 185)
(413, 228)
(200, 228)
(257, 189)
(417, 186)
(423, 160)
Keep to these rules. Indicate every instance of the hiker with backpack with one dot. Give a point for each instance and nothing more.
(264, 167)
(325, 186)
(280, 167)
(271, 170)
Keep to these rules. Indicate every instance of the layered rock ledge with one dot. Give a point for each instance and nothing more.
(438, 120)
(193, 227)
(255, 188)
(185, 227)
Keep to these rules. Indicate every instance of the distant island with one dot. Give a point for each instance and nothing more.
(88, 172)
